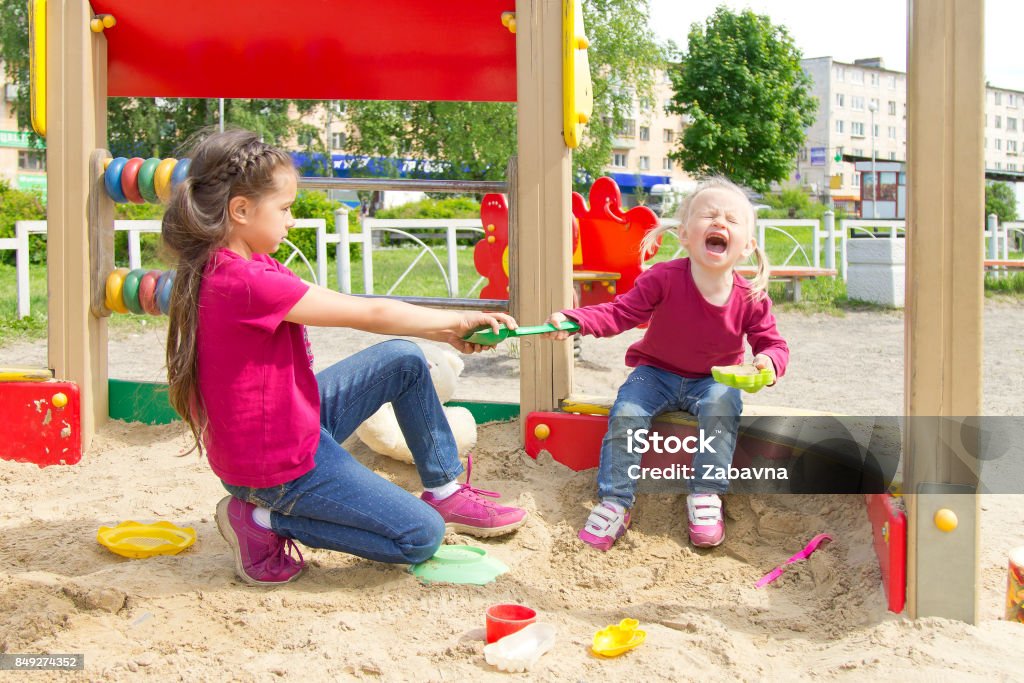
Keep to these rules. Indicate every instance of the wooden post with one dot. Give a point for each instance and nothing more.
(945, 223)
(76, 100)
(541, 266)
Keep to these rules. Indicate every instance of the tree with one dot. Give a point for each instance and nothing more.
(149, 126)
(741, 87)
(474, 140)
(999, 199)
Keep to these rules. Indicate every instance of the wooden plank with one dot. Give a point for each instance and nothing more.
(100, 224)
(543, 256)
(76, 126)
(945, 202)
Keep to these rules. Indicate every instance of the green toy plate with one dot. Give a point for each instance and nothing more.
(487, 337)
(459, 564)
(745, 377)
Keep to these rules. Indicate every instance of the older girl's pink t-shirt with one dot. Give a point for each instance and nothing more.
(256, 378)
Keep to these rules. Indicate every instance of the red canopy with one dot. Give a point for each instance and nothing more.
(311, 49)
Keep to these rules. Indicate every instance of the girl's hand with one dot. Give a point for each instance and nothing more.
(555, 319)
(761, 361)
(472, 321)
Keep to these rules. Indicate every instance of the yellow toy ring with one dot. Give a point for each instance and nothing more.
(162, 179)
(114, 289)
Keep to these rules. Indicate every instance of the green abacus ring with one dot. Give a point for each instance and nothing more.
(147, 188)
(130, 293)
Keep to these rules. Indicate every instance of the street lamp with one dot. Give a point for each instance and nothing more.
(873, 107)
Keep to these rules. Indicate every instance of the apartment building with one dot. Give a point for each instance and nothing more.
(863, 106)
(640, 150)
(20, 165)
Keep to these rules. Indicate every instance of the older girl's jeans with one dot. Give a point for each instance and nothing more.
(342, 505)
(649, 392)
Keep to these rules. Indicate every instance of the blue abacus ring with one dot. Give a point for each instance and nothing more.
(112, 180)
(180, 172)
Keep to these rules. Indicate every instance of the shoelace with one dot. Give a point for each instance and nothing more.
(472, 490)
(278, 559)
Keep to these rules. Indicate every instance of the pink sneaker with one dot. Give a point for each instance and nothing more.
(466, 511)
(707, 527)
(605, 525)
(261, 557)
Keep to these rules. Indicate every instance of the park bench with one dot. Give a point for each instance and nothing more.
(791, 275)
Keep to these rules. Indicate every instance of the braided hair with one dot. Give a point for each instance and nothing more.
(234, 163)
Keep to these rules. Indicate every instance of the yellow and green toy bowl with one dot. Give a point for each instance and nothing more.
(612, 641)
(745, 377)
(137, 540)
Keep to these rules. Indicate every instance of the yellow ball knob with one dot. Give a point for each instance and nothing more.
(542, 431)
(109, 21)
(582, 43)
(59, 400)
(583, 118)
(96, 25)
(945, 520)
(490, 227)
(490, 239)
(611, 289)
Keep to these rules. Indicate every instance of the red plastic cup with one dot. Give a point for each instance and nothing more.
(504, 620)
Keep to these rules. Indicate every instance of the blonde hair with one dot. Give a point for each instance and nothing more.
(234, 163)
(759, 283)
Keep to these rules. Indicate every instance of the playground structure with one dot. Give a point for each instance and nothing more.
(136, 57)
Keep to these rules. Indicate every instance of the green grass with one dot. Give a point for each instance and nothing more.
(827, 295)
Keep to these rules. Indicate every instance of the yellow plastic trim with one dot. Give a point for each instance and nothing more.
(25, 375)
(37, 63)
(578, 97)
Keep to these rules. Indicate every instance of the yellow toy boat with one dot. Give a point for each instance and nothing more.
(612, 641)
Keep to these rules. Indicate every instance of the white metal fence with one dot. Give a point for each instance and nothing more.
(135, 229)
(821, 252)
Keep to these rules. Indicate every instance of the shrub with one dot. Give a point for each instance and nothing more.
(453, 207)
(316, 204)
(19, 205)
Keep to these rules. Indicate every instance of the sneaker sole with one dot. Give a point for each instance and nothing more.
(481, 532)
(229, 536)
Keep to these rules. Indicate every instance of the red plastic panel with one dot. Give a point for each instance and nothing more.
(889, 530)
(318, 49)
(575, 441)
(489, 254)
(610, 238)
(36, 427)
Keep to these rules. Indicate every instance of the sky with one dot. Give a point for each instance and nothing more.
(856, 29)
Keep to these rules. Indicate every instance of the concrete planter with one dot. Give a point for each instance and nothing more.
(877, 270)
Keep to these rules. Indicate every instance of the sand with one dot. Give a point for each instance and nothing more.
(187, 617)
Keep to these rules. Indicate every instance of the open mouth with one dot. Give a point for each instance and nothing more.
(716, 244)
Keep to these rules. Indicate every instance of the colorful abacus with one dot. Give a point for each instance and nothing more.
(139, 291)
(139, 180)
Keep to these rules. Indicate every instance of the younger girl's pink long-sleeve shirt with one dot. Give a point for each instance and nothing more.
(687, 334)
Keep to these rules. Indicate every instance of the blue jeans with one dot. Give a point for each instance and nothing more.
(649, 392)
(342, 505)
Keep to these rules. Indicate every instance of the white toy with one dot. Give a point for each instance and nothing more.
(381, 432)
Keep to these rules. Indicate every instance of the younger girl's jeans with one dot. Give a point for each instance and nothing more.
(342, 505)
(649, 392)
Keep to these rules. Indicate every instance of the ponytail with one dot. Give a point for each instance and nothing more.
(224, 165)
(759, 285)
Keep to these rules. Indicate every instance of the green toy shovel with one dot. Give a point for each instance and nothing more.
(487, 337)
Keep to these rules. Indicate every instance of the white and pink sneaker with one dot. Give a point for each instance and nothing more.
(707, 526)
